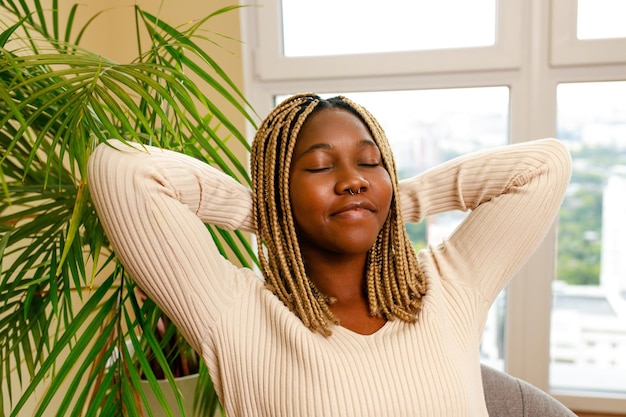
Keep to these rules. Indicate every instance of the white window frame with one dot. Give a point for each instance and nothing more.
(531, 58)
(567, 49)
(271, 64)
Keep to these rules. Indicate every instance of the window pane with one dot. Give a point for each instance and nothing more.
(600, 19)
(588, 340)
(428, 127)
(338, 27)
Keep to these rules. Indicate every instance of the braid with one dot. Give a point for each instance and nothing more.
(394, 281)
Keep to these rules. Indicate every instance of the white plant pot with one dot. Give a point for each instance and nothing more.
(186, 385)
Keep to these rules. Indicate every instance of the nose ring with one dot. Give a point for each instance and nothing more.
(358, 191)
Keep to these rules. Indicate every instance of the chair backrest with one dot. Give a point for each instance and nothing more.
(507, 396)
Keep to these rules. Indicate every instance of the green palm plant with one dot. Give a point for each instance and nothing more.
(70, 316)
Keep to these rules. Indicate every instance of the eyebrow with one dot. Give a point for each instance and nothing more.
(326, 146)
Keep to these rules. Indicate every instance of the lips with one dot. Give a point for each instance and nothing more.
(355, 207)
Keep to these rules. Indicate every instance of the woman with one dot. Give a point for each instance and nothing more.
(354, 323)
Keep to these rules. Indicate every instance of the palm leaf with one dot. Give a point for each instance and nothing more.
(57, 102)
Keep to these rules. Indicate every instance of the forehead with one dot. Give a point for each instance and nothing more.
(332, 124)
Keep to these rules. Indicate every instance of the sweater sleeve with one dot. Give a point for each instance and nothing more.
(153, 204)
(514, 193)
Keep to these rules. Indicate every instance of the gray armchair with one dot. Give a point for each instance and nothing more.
(507, 396)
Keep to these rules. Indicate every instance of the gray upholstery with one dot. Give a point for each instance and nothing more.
(507, 396)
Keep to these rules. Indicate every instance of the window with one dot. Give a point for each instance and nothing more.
(416, 29)
(419, 26)
(588, 31)
(588, 338)
(539, 69)
(601, 19)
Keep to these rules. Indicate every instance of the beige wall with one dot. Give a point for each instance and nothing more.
(113, 33)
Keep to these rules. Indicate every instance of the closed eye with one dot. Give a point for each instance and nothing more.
(320, 169)
(371, 165)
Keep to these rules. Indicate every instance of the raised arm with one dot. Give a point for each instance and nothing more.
(153, 204)
(514, 193)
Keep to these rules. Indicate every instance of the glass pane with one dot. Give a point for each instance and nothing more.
(338, 27)
(428, 127)
(588, 340)
(600, 19)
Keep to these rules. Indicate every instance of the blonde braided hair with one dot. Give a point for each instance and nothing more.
(394, 281)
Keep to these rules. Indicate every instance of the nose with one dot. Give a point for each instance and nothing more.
(352, 182)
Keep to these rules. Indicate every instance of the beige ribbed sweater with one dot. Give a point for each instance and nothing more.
(263, 361)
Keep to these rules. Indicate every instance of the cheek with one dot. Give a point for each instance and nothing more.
(386, 198)
(300, 202)
(306, 200)
(309, 203)
(386, 188)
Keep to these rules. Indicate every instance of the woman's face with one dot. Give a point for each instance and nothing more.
(340, 190)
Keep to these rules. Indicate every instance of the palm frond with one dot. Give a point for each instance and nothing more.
(71, 321)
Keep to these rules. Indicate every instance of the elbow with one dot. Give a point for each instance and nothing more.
(110, 171)
(561, 162)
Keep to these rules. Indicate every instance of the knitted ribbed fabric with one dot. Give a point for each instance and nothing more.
(263, 361)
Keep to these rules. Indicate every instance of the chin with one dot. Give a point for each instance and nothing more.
(357, 248)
